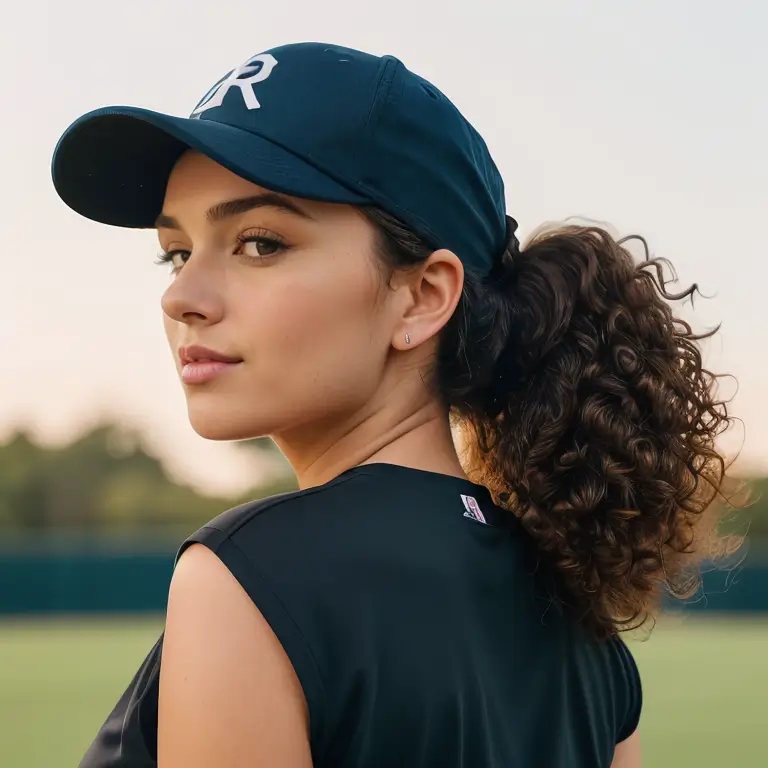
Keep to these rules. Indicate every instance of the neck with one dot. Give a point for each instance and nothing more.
(420, 438)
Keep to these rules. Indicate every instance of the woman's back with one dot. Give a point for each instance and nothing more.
(417, 622)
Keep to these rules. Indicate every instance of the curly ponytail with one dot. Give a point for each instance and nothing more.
(585, 408)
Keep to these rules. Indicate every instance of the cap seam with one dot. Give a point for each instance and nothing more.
(389, 68)
(385, 88)
(365, 127)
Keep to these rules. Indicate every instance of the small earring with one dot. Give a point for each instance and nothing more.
(407, 339)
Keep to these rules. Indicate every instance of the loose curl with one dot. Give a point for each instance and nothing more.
(585, 409)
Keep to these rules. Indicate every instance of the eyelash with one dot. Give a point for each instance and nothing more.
(263, 237)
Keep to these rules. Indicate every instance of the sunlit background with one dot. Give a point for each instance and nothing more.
(650, 117)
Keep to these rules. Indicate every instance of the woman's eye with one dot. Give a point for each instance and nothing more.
(176, 258)
(260, 247)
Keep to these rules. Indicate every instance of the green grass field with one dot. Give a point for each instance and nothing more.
(706, 689)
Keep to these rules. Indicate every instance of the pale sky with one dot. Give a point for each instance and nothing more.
(651, 116)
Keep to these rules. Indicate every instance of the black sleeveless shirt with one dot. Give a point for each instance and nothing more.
(415, 616)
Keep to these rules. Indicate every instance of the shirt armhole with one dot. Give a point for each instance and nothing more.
(634, 693)
(276, 614)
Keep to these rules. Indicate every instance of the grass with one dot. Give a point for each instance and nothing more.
(58, 682)
(706, 689)
(705, 693)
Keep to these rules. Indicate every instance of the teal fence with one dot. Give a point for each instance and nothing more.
(82, 573)
(95, 575)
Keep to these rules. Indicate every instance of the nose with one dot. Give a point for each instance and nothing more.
(194, 297)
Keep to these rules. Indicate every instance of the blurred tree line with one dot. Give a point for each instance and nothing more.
(105, 479)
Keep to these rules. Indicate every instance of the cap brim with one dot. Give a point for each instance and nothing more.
(112, 165)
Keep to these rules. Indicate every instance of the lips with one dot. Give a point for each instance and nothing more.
(196, 354)
(201, 365)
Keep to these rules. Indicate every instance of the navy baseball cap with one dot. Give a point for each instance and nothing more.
(313, 121)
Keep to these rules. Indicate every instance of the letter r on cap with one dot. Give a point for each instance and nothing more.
(243, 77)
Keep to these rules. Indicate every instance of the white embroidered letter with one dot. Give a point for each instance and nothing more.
(255, 70)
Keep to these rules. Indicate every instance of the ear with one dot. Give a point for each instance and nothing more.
(433, 290)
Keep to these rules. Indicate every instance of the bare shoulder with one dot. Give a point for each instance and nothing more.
(627, 754)
(229, 695)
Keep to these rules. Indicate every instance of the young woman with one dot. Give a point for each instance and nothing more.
(346, 281)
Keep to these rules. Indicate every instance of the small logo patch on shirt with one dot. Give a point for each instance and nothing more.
(473, 509)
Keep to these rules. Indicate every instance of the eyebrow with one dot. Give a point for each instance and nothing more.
(230, 208)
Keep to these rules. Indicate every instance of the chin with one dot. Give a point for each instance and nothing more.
(224, 426)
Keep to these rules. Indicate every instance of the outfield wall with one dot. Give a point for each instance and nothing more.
(98, 575)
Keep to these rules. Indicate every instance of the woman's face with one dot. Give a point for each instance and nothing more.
(285, 290)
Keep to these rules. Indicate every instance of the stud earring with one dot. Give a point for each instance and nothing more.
(407, 339)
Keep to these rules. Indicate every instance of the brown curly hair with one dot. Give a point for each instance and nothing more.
(585, 409)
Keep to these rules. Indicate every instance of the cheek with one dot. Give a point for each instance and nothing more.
(318, 342)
